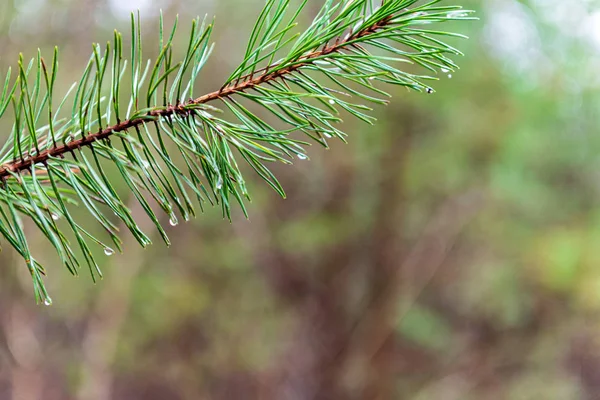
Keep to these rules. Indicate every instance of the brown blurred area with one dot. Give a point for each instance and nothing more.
(451, 251)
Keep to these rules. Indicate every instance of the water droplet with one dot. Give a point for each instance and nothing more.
(429, 90)
(450, 76)
(55, 217)
(220, 183)
(331, 101)
(371, 78)
(173, 220)
(108, 251)
(457, 14)
(327, 135)
(47, 301)
(145, 164)
(445, 70)
(302, 156)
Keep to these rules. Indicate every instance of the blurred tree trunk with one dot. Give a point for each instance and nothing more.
(312, 367)
(109, 314)
(20, 324)
(376, 340)
(317, 364)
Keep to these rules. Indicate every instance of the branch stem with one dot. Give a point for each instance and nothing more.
(246, 83)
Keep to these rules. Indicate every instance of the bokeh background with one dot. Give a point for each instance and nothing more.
(452, 251)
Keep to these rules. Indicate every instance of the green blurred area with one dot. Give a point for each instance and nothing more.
(451, 251)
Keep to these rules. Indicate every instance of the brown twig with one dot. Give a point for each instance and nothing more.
(245, 83)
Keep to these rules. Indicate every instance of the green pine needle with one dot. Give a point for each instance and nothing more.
(174, 148)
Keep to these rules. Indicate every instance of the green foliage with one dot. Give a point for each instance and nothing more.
(170, 146)
(421, 326)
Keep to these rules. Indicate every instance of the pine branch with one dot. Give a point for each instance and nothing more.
(246, 83)
(302, 80)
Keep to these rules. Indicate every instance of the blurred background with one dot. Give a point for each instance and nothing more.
(452, 251)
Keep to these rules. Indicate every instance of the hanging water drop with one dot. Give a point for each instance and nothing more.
(331, 101)
(327, 135)
(173, 220)
(457, 14)
(108, 251)
(450, 76)
(302, 156)
(445, 70)
(47, 301)
(55, 217)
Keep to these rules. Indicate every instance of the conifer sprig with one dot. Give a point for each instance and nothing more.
(141, 120)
